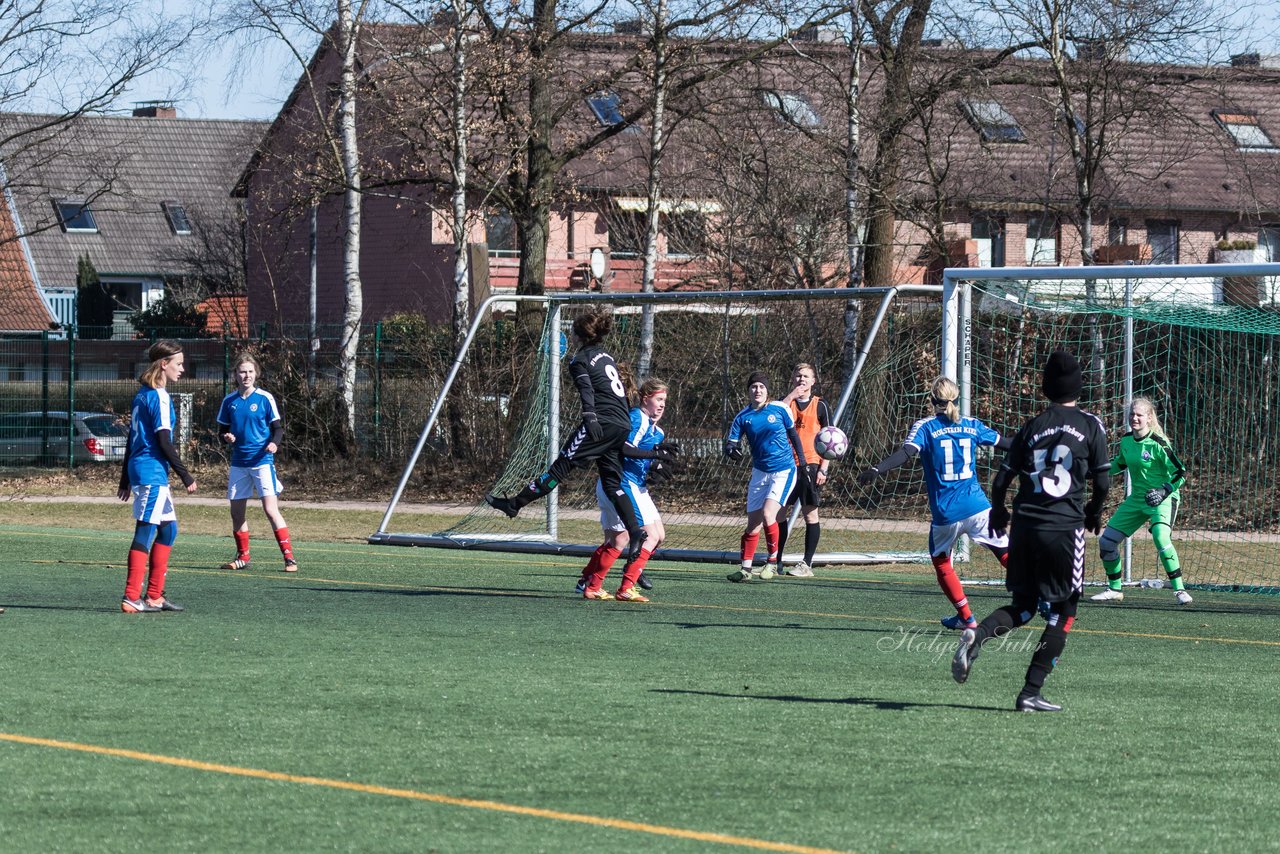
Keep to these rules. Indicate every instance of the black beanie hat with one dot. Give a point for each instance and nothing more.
(1063, 379)
(758, 377)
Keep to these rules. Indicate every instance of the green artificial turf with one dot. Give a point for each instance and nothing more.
(794, 713)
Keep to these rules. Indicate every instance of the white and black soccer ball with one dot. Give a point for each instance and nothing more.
(831, 443)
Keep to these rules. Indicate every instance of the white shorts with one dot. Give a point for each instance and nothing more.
(641, 502)
(153, 503)
(253, 482)
(942, 538)
(768, 485)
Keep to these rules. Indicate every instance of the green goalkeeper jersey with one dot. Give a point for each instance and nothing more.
(1151, 463)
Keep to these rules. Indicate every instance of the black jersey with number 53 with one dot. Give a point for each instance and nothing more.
(1054, 455)
(595, 373)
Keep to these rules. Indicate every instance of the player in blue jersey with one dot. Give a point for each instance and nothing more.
(641, 466)
(770, 432)
(249, 421)
(947, 445)
(145, 478)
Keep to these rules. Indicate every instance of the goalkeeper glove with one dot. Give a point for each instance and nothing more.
(657, 473)
(666, 451)
(592, 424)
(1159, 494)
(868, 475)
(732, 451)
(998, 520)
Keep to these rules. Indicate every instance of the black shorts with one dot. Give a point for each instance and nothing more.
(808, 494)
(1044, 564)
(606, 452)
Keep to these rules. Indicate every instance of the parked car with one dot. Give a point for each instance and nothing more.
(98, 437)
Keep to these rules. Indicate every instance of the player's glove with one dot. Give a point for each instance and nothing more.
(1159, 494)
(657, 473)
(867, 475)
(1093, 521)
(733, 451)
(592, 424)
(998, 520)
(667, 451)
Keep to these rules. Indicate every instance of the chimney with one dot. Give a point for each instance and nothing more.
(155, 110)
(1246, 60)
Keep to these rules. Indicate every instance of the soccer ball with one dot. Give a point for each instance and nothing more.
(831, 443)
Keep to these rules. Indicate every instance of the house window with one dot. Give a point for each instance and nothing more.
(627, 233)
(1268, 244)
(179, 223)
(1042, 240)
(75, 216)
(686, 234)
(993, 122)
(605, 106)
(795, 109)
(988, 233)
(1162, 237)
(1245, 130)
(1117, 231)
(500, 231)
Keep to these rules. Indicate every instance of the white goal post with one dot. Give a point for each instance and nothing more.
(706, 343)
(1200, 340)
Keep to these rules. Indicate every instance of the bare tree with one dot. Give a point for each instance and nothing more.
(555, 74)
(62, 60)
(299, 24)
(1105, 88)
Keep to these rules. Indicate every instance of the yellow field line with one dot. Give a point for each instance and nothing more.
(411, 794)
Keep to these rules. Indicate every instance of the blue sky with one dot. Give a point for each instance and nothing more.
(221, 84)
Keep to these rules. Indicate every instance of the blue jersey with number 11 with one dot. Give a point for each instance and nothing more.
(949, 455)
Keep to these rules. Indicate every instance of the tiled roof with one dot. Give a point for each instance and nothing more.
(1181, 161)
(125, 167)
(21, 309)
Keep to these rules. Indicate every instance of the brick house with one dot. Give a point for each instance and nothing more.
(1168, 192)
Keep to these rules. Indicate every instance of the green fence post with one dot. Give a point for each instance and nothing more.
(71, 395)
(44, 396)
(377, 389)
(226, 358)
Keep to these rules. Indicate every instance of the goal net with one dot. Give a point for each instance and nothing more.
(1201, 344)
(705, 345)
(1199, 340)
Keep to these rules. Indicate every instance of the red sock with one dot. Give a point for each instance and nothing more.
(607, 554)
(242, 544)
(749, 543)
(634, 569)
(137, 571)
(592, 565)
(282, 537)
(950, 584)
(159, 567)
(771, 542)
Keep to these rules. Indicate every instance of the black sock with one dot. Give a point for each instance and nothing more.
(812, 530)
(534, 489)
(1052, 642)
(998, 623)
(784, 528)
